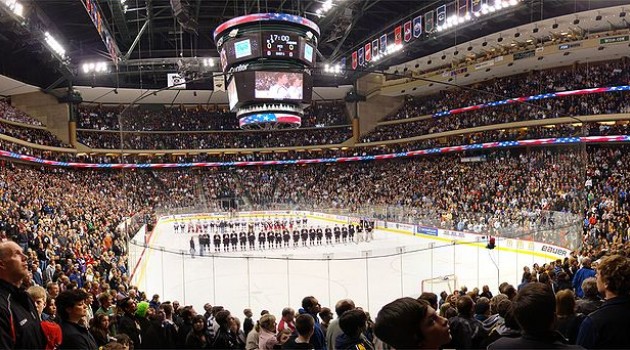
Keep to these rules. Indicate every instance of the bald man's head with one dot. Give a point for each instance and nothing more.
(13, 266)
(344, 305)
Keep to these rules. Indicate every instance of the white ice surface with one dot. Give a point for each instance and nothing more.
(274, 279)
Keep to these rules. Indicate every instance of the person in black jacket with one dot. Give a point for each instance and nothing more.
(127, 323)
(534, 309)
(608, 326)
(198, 337)
(72, 308)
(19, 320)
(248, 322)
(224, 338)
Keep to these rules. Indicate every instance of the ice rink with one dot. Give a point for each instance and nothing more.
(371, 273)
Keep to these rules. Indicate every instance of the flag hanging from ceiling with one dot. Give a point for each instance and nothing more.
(463, 7)
(368, 52)
(441, 16)
(417, 26)
(361, 57)
(428, 21)
(476, 5)
(383, 42)
(354, 60)
(374, 47)
(398, 35)
(407, 31)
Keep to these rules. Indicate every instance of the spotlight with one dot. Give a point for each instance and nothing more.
(622, 14)
(535, 30)
(598, 18)
(576, 21)
(555, 26)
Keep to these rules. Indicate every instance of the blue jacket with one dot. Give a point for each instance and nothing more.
(607, 327)
(579, 277)
(318, 340)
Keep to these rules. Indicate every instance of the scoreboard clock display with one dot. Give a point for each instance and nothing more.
(280, 44)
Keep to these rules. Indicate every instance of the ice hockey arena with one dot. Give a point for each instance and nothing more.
(314, 174)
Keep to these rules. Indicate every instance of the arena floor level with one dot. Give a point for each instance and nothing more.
(371, 273)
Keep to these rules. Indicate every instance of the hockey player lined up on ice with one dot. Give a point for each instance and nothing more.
(278, 239)
(351, 232)
(176, 227)
(226, 242)
(296, 238)
(337, 233)
(311, 236)
(369, 229)
(217, 242)
(286, 237)
(328, 233)
(233, 240)
(261, 240)
(344, 235)
(205, 226)
(251, 238)
(270, 239)
(320, 235)
(304, 237)
(242, 239)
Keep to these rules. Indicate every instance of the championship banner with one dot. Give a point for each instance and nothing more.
(361, 57)
(368, 52)
(463, 7)
(175, 81)
(428, 21)
(475, 5)
(218, 81)
(354, 60)
(441, 16)
(417, 26)
(407, 31)
(383, 42)
(375, 47)
(398, 35)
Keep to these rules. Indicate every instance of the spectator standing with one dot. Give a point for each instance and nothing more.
(591, 300)
(608, 326)
(408, 323)
(585, 272)
(534, 309)
(311, 306)
(72, 308)
(305, 327)
(19, 323)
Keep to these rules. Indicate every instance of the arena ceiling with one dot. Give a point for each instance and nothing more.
(149, 29)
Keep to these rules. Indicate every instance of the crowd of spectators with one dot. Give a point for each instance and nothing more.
(180, 118)
(596, 104)
(37, 136)
(240, 139)
(68, 224)
(582, 76)
(7, 112)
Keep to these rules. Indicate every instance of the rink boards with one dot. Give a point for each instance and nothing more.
(394, 264)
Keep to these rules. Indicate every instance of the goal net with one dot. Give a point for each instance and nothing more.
(447, 283)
